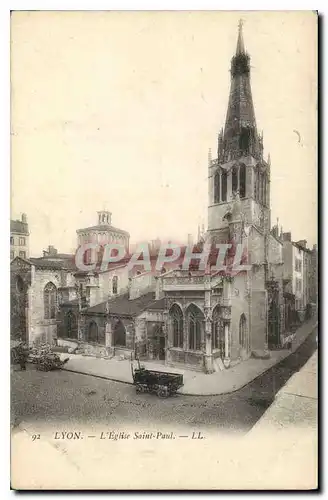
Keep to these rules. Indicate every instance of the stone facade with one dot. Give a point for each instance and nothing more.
(19, 238)
(39, 326)
(101, 234)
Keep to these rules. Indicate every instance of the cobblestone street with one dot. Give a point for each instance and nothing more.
(62, 397)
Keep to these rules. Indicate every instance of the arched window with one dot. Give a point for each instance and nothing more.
(71, 325)
(217, 332)
(114, 285)
(18, 309)
(50, 301)
(264, 190)
(243, 331)
(261, 188)
(195, 320)
(217, 186)
(245, 140)
(93, 332)
(242, 181)
(119, 334)
(234, 182)
(224, 181)
(20, 284)
(177, 325)
(87, 257)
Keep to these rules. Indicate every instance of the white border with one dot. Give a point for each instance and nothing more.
(5, 8)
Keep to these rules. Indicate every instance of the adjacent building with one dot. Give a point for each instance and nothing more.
(300, 272)
(19, 238)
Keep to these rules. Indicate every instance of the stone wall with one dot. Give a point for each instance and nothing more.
(275, 250)
(141, 284)
(41, 329)
(239, 306)
(105, 283)
(259, 320)
(256, 247)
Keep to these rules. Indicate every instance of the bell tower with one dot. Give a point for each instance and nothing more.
(239, 172)
(104, 218)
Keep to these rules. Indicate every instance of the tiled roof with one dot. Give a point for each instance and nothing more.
(17, 226)
(103, 227)
(157, 305)
(123, 306)
(51, 263)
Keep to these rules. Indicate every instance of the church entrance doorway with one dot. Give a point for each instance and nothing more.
(156, 341)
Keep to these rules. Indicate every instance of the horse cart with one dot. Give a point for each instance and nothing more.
(162, 383)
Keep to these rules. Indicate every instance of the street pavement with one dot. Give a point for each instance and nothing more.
(195, 383)
(62, 397)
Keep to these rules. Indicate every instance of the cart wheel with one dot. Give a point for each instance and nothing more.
(162, 392)
(139, 388)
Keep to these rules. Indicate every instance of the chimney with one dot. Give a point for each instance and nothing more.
(24, 219)
(287, 236)
(302, 243)
(52, 250)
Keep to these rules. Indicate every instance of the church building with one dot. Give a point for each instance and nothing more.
(205, 320)
(216, 319)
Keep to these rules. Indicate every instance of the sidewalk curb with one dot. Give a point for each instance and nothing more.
(195, 394)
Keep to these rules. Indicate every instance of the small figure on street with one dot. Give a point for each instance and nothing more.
(22, 355)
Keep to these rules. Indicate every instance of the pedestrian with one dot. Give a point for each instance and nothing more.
(22, 353)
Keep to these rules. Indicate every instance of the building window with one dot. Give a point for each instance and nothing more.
(298, 285)
(87, 256)
(12, 241)
(245, 140)
(261, 188)
(177, 325)
(257, 185)
(224, 180)
(234, 180)
(20, 285)
(50, 301)
(217, 332)
(265, 190)
(22, 254)
(114, 285)
(217, 187)
(243, 331)
(242, 181)
(195, 320)
(119, 334)
(21, 241)
(215, 329)
(71, 325)
(12, 254)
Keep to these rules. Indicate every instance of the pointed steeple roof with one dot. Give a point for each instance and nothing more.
(240, 132)
(240, 42)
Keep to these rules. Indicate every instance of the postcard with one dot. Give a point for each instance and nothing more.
(163, 250)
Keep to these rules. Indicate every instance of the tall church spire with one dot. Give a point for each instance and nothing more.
(240, 136)
(240, 43)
